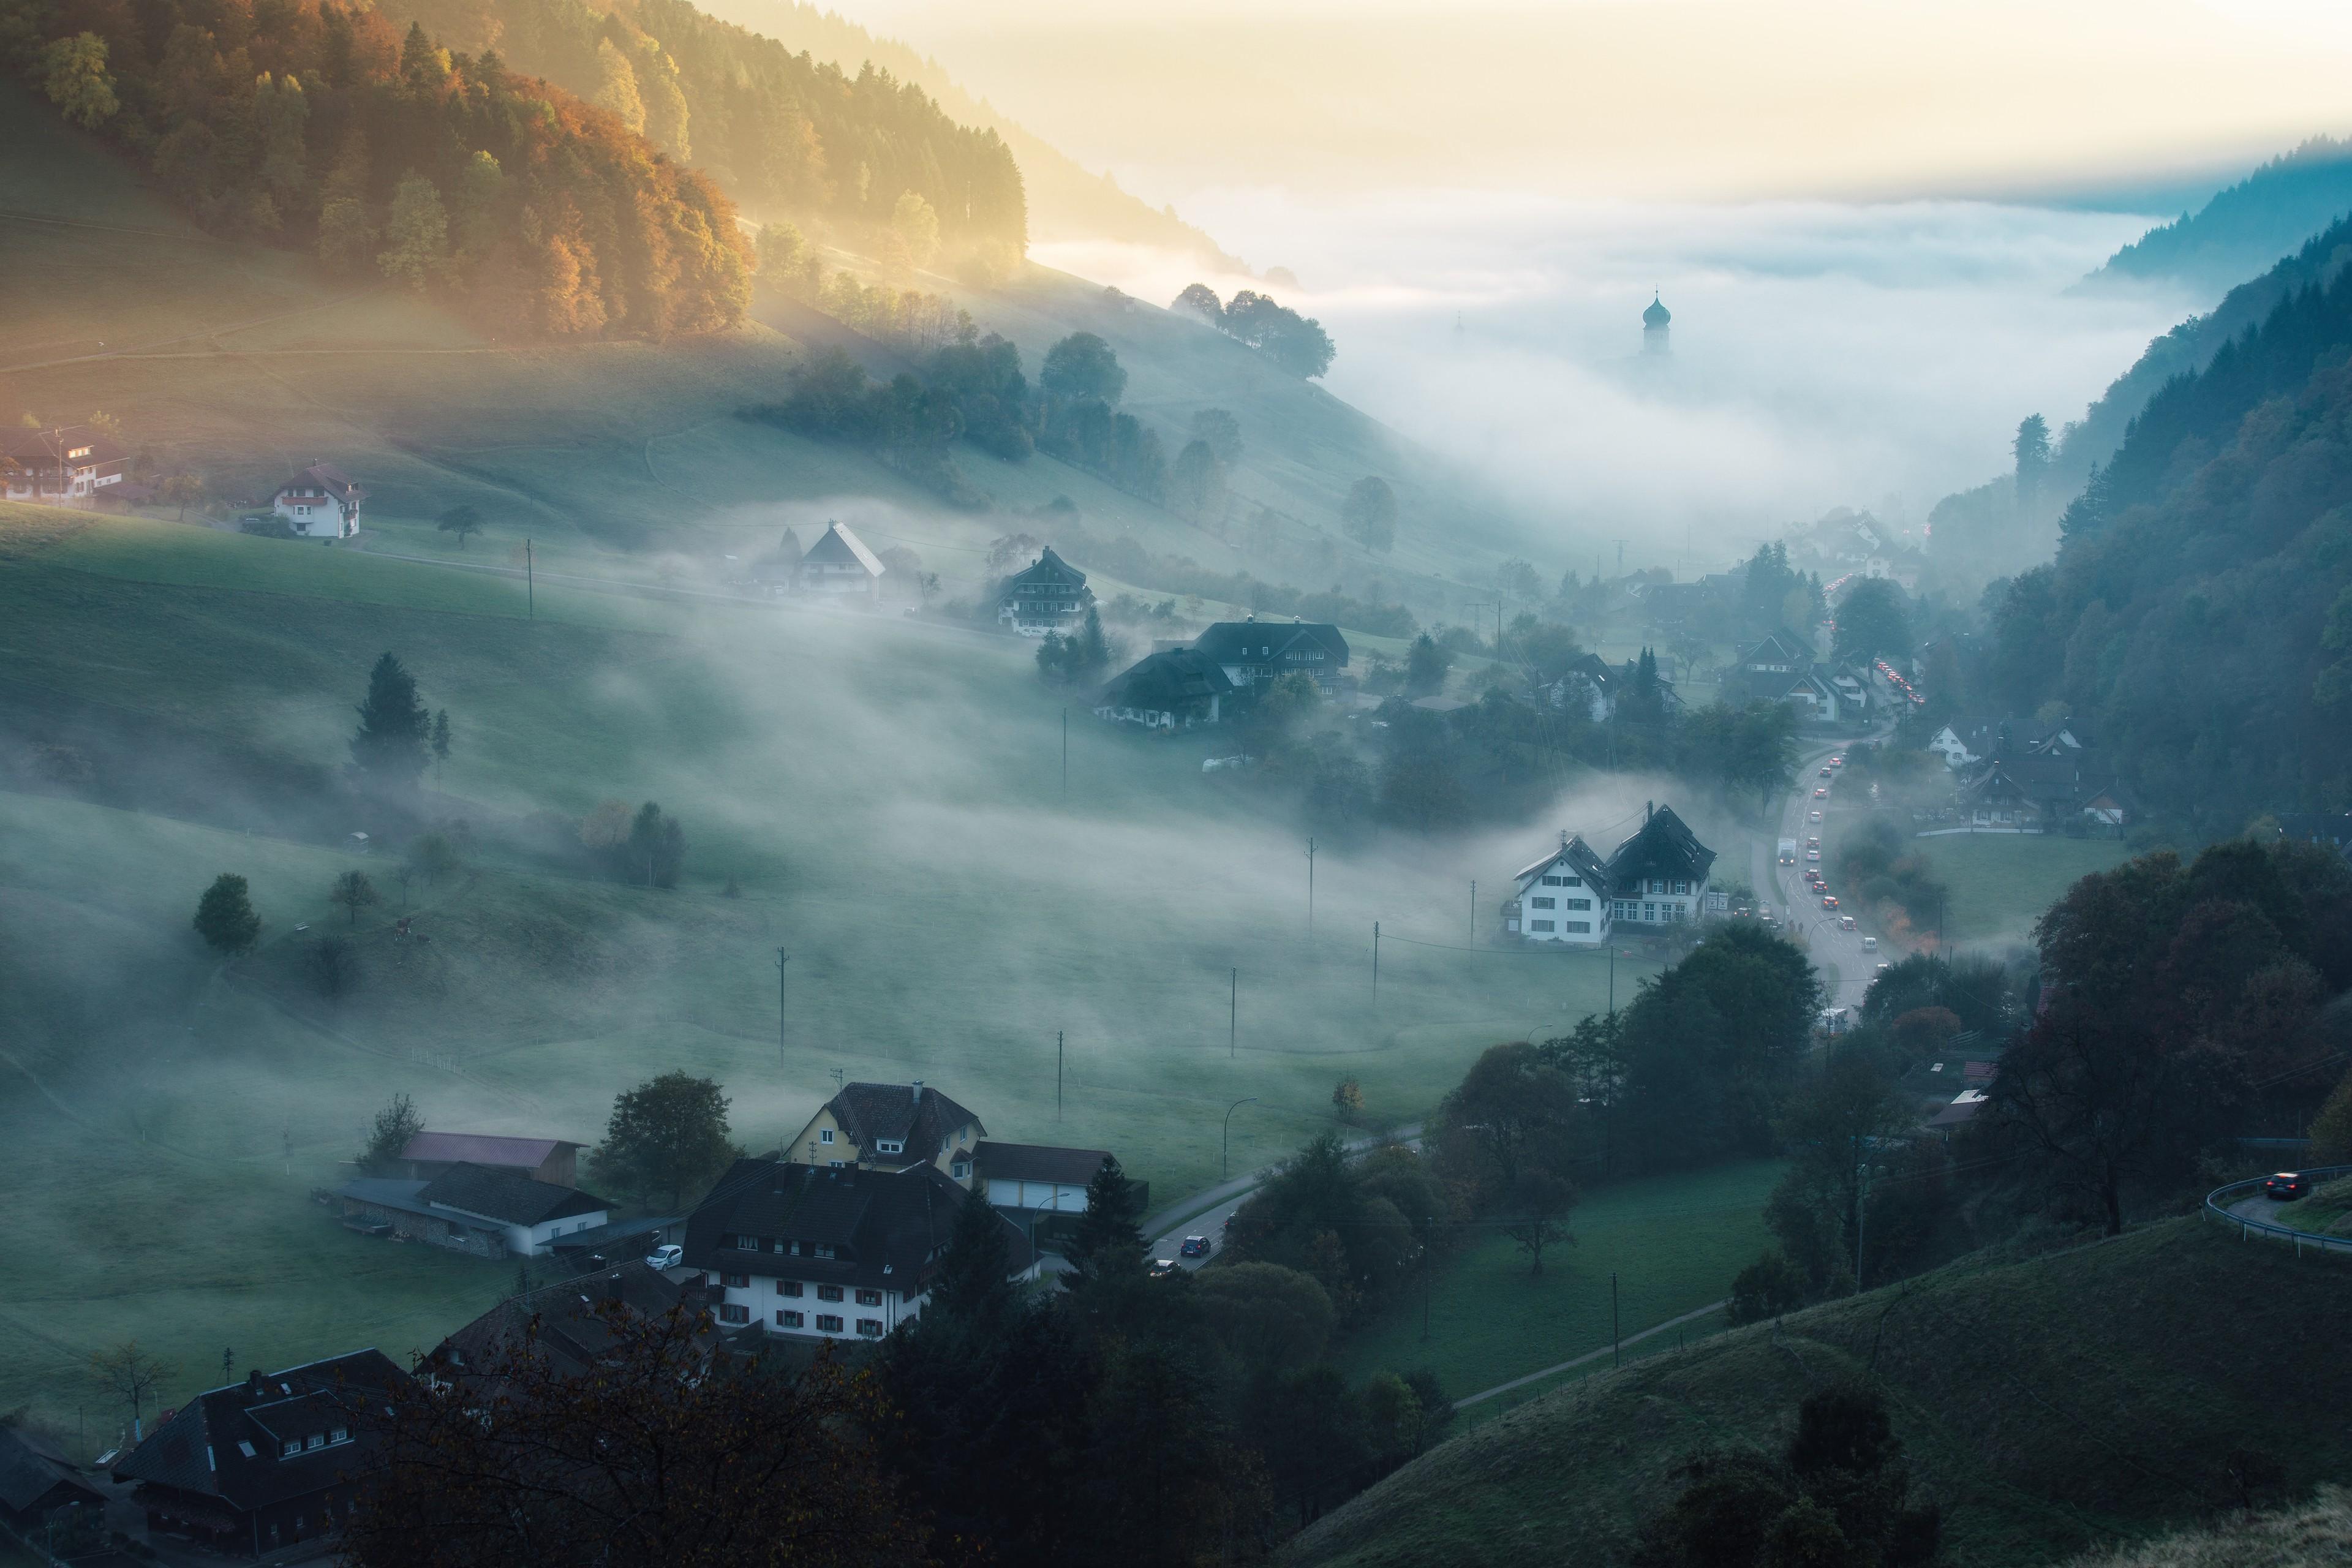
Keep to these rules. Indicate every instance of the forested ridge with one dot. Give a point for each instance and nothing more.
(2198, 615)
(318, 125)
(783, 133)
(2268, 214)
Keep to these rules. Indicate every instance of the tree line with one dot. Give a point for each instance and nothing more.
(1295, 342)
(316, 125)
(785, 134)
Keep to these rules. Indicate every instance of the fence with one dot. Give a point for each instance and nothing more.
(2218, 1202)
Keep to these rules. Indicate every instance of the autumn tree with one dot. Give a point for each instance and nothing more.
(73, 74)
(916, 228)
(669, 1135)
(416, 235)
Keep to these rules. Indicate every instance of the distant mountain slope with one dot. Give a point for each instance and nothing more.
(2048, 1407)
(2269, 213)
(1065, 201)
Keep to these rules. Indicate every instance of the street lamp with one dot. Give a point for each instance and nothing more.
(1225, 1153)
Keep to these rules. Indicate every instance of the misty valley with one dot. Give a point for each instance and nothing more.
(773, 792)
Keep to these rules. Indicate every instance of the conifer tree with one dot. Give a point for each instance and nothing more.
(389, 749)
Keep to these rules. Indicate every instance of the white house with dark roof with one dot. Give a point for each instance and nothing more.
(828, 1252)
(319, 502)
(839, 565)
(1658, 877)
(477, 1209)
(64, 465)
(890, 1127)
(1049, 595)
(1251, 651)
(1564, 897)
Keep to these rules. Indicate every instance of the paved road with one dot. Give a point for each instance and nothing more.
(1830, 946)
(1167, 1234)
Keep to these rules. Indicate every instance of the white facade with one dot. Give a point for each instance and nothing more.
(1053, 1197)
(531, 1240)
(1560, 904)
(808, 1309)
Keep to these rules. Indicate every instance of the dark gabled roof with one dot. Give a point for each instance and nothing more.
(1594, 668)
(1166, 682)
(840, 547)
(328, 478)
(1047, 568)
(30, 1474)
(885, 1225)
(920, 1117)
(1580, 858)
(201, 1449)
(483, 1149)
(1039, 1162)
(1663, 846)
(1782, 647)
(49, 445)
(506, 1197)
(571, 1328)
(1273, 642)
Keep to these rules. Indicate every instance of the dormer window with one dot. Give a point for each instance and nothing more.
(317, 1440)
(889, 1145)
(292, 1447)
(338, 1435)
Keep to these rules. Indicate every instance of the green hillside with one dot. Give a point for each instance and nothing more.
(884, 793)
(2048, 1405)
(243, 363)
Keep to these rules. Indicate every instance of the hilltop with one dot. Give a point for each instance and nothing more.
(2050, 1405)
(2270, 213)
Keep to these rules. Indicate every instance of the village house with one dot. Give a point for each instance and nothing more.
(1658, 877)
(36, 1481)
(569, 1325)
(1175, 689)
(1251, 652)
(1040, 1187)
(1564, 897)
(319, 502)
(838, 565)
(474, 1209)
(1049, 595)
(1593, 687)
(552, 1159)
(1780, 668)
(262, 1464)
(806, 1251)
(64, 465)
(890, 1127)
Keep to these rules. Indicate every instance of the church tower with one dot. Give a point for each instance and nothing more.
(1654, 321)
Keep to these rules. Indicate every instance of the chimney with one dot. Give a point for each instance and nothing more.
(919, 1091)
(1646, 806)
(254, 1385)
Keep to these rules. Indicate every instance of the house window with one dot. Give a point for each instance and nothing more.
(1579, 925)
(826, 1136)
(737, 1282)
(292, 1448)
(824, 1249)
(835, 1164)
(828, 1292)
(789, 1320)
(870, 1327)
(869, 1298)
(747, 1242)
(826, 1323)
(959, 1169)
(1578, 904)
(1541, 903)
(788, 1287)
(890, 1145)
(338, 1435)
(1555, 881)
(1650, 912)
(1682, 887)
(734, 1314)
(1539, 925)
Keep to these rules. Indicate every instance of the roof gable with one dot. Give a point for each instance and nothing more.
(483, 1149)
(1662, 846)
(1048, 568)
(203, 1448)
(1580, 857)
(1265, 642)
(840, 547)
(506, 1197)
(915, 1115)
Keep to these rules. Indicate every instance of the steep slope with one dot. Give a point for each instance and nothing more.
(2317, 1534)
(1065, 201)
(2269, 213)
(2049, 1405)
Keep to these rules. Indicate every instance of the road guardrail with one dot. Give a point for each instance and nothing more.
(2218, 1202)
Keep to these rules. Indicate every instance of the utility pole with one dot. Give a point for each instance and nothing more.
(1310, 889)
(1474, 908)
(1233, 1015)
(1376, 964)
(1861, 1225)
(783, 1038)
(1621, 558)
(1057, 1074)
(1615, 1341)
(1065, 753)
(529, 584)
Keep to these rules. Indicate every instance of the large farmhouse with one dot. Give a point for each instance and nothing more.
(64, 464)
(890, 1127)
(840, 565)
(1252, 651)
(1049, 595)
(262, 1464)
(1174, 689)
(829, 1252)
(319, 502)
(478, 1209)
(1657, 878)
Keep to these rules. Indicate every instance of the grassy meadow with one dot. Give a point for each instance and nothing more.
(2001, 882)
(1674, 1241)
(2048, 1405)
(886, 795)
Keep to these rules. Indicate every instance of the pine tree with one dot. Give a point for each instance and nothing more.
(973, 1287)
(1106, 1243)
(389, 748)
(225, 918)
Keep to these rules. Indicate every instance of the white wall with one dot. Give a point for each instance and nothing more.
(1057, 1198)
(1561, 914)
(763, 1300)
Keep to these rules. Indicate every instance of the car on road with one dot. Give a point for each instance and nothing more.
(1194, 1246)
(1826, 773)
(1812, 854)
(1870, 944)
(1162, 1266)
(1884, 967)
(1812, 841)
(1814, 816)
(1845, 922)
(1829, 900)
(1838, 761)
(665, 1257)
(2288, 1185)
(1823, 792)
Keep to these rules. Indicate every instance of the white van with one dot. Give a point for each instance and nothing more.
(1870, 944)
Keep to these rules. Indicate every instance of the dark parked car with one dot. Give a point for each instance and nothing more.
(2288, 1185)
